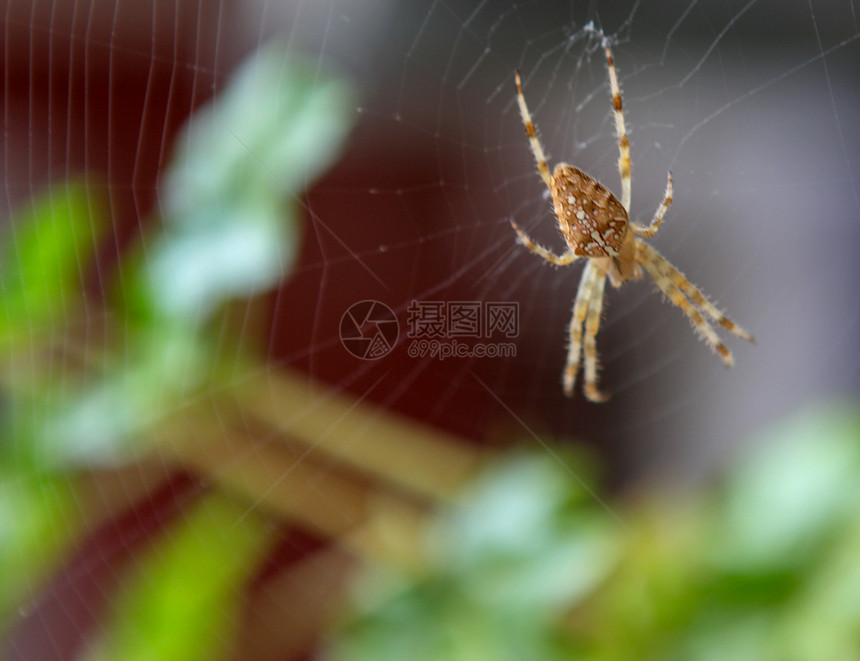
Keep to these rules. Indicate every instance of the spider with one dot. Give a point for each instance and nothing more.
(596, 226)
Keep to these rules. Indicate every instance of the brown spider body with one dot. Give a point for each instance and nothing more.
(596, 226)
(591, 219)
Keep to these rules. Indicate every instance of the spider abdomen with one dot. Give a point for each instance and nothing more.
(592, 220)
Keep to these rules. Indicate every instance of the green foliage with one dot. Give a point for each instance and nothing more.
(46, 253)
(526, 530)
(797, 489)
(231, 208)
(231, 194)
(180, 603)
(48, 249)
(765, 566)
(93, 421)
(506, 564)
(37, 515)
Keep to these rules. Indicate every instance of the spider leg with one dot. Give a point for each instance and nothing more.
(592, 324)
(661, 271)
(537, 149)
(620, 129)
(577, 320)
(695, 295)
(567, 258)
(652, 228)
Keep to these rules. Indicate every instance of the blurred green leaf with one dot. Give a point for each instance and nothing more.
(245, 250)
(657, 588)
(181, 601)
(278, 124)
(93, 421)
(232, 191)
(523, 546)
(435, 621)
(523, 529)
(37, 516)
(785, 497)
(229, 230)
(47, 251)
(828, 603)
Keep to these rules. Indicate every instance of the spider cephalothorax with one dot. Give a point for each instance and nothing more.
(595, 225)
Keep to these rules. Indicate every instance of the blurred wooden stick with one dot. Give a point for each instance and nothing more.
(269, 475)
(364, 475)
(385, 445)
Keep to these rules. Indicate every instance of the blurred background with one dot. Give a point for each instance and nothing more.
(212, 451)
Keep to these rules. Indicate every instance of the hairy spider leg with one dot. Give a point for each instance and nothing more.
(680, 281)
(665, 277)
(567, 258)
(620, 129)
(657, 220)
(534, 142)
(543, 168)
(580, 310)
(592, 325)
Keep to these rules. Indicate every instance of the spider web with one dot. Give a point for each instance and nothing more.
(752, 105)
(752, 121)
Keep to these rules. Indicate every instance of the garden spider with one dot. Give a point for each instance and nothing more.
(596, 226)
